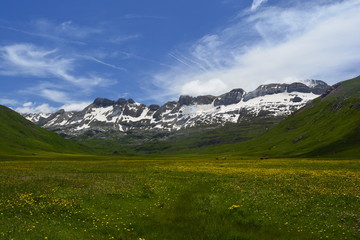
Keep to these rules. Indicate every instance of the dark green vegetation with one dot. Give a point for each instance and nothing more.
(180, 142)
(21, 137)
(179, 199)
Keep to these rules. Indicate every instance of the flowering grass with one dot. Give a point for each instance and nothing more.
(180, 199)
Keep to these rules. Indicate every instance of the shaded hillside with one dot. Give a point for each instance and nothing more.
(21, 137)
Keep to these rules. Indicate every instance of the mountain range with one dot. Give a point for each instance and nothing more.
(327, 126)
(124, 115)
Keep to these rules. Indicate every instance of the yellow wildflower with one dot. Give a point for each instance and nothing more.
(234, 207)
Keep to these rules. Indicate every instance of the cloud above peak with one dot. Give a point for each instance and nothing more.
(272, 44)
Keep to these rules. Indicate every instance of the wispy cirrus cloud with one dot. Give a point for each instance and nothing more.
(44, 35)
(67, 30)
(256, 4)
(272, 44)
(27, 60)
(104, 63)
(30, 60)
(124, 38)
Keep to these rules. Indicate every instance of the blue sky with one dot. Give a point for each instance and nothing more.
(64, 54)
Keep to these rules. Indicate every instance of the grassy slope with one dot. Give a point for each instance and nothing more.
(329, 127)
(21, 137)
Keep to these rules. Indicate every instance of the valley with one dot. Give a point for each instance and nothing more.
(180, 120)
(293, 177)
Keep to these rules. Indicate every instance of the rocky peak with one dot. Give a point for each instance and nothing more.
(319, 87)
(298, 87)
(61, 111)
(121, 101)
(154, 107)
(169, 106)
(185, 100)
(103, 102)
(263, 90)
(232, 97)
(200, 100)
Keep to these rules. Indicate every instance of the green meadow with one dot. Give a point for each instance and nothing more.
(294, 179)
(179, 198)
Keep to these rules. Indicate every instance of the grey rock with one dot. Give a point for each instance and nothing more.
(103, 102)
(296, 99)
(232, 97)
(265, 90)
(154, 107)
(202, 100)
(186, 100)
(121, 101)
(320, 87)
(298, 87)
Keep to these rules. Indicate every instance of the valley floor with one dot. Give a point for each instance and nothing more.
(179, 199)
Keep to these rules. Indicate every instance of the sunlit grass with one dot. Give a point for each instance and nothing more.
(180, 199)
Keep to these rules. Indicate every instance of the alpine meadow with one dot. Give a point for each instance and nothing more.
(180, 120)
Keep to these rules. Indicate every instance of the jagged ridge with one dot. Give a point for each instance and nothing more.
(272, 100)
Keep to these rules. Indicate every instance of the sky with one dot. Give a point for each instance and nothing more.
(64, 54)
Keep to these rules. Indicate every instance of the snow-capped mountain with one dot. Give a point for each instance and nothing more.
(272, 100)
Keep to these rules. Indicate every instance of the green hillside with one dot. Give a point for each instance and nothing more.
(328, 127)
(19, 136)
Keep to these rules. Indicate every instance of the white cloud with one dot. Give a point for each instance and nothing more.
(198, 87)
(54, 95)
(6, 101)
(26, 59)
(256, 4)
(75, 106)
(274, 44)
(30, 107)
(27, 104)
(29, 60)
